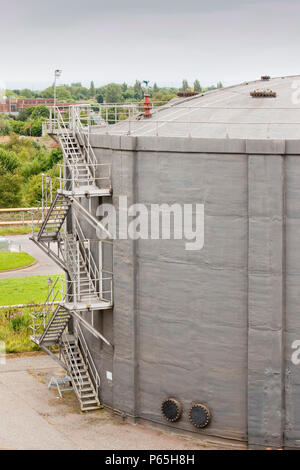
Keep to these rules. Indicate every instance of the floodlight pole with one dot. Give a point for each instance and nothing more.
(57, 74)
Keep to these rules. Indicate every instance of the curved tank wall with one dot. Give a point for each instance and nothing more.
(214, 326)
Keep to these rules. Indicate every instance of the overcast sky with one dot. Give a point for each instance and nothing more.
(159, 40)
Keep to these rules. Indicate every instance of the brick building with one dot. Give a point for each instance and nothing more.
(14, 105)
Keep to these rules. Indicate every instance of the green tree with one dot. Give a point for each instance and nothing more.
(17, 126)
(32, 194)
(113, 93)
(219, 85)
(92, 90)
(26, 93)
(124, 87)
(197, 86)
(63, 94)
(10, 189)
(8, 160)
(138, 90)
(5, 126)
(55, 157)
(155, 88)
(39, 112)
(25, 113)
(99, 98)
(36, 128)
(185, 85)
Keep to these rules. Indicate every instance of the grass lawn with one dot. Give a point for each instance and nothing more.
(16, 230)
(15, 323)
(10, 260)
(24, 290)
(15, 331)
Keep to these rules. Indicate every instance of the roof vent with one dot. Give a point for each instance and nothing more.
(185, 94)
(263, 94)
(265, 77)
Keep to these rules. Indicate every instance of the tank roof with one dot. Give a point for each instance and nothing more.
(273, 112)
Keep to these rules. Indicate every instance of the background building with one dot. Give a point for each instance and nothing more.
(14, 105)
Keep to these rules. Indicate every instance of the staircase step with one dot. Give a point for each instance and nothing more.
(90, 402)
(91, 395)
(92, 408)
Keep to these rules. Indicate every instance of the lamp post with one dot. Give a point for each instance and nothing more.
(57, 74)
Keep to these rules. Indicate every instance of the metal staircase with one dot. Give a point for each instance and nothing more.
(78, 370)
(82, 165)
(55, 217)
(77, 360)
(88, 286)
(85, 278)
(55, 328)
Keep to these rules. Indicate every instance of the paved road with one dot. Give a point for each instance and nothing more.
(45, 265)
(33, 417)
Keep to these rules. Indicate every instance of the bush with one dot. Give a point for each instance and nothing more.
(8, 160)
(56, 156)
(10, 189)
(25, 113)
(4, 126)
(32, 191)
(40, 112)
(31, 168)
(17, 127)
(19, 323)
(36, 128)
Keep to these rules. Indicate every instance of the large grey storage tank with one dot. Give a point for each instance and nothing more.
(215, 326)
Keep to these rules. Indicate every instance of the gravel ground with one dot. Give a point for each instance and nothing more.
(33, 417)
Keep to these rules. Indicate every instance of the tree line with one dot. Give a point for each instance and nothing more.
(110, 93)
(21, 163)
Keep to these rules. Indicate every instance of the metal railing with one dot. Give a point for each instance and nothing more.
(79, 179)
(88, 359)
(55, 296)
(72, 363)
(92, 285)
(50, 184)
(83, 116)
(85, 250)
(173, 117)
(77, 295)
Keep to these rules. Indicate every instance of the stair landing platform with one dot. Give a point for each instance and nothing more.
(88, 190)
(93, 305)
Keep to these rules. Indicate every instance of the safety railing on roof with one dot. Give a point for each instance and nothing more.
(173, 118)
(83, 118)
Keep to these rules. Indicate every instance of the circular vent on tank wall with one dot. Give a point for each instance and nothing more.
(171, 410)
(200, 416)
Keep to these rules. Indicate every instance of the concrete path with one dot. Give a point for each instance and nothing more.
(45, 265)
(33, 417)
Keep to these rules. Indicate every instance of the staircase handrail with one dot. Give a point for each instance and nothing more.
(89, 151)
(88, 357)
(50, 180)
(77, 377)
(64, 130)
(89, 259)
(48, 306)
